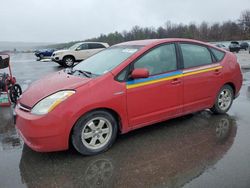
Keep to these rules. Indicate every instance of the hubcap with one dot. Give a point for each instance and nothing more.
(69, 61)
(222, 128)
(96, 133)
(225, 99)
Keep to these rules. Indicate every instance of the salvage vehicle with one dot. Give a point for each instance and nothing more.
(126, 87)
(234, 46)
(44, 53)
(77, 52)
(244, 45)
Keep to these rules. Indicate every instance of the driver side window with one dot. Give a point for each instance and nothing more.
(159, 60)
(82, 47)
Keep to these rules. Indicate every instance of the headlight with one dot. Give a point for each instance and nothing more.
(49, 103)
(58, 53)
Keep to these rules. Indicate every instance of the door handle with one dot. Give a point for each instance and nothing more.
(217, 71)
(175, 81)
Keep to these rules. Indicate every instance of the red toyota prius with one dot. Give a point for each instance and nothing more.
(125, 87)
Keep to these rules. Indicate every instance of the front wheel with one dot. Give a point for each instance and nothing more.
(224, 100)
(94, 133)
(68, 61)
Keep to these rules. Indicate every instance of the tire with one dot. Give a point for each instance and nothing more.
(68, 61)
(41, 57)
(99, 129)
(224, 100)
(15, 93)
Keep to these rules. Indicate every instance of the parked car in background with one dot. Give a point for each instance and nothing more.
(234, 46)
(221, 46)
(244, 45)
(126, 87)
(44, 53)
(77, 52)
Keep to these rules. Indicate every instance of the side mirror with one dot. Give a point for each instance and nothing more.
(4, 61)
(140, 73)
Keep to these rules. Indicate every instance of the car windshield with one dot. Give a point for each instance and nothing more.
(106, 60)
(74, 46)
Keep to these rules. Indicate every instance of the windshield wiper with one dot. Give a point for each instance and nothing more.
(85, 73)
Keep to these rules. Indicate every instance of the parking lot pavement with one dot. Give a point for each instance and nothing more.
(244, 59)
(198, 150)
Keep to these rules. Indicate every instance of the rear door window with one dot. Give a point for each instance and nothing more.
(195, 55)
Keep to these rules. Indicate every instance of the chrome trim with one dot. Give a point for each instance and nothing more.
(119, 93)
(201, 68)
(23, 108)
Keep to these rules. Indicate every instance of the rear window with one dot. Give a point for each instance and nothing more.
(219, 55)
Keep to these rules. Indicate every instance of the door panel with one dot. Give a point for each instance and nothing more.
(82, 52)
(199, 77)
(160, 96)
(154, 102)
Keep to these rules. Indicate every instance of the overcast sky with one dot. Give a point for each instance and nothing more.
(68, 20)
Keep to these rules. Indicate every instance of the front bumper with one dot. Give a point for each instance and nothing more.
(42, 133)
(56, 59)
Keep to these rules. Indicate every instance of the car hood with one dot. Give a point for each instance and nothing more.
(50, 84)
(62, 51)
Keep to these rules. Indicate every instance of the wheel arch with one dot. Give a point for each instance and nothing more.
(109, 110)
(69, 55)
(231, 84)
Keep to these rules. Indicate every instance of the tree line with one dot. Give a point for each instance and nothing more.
(226, 31)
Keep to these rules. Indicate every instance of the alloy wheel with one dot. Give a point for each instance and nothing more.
(69, 62)
(96, 133)
(225, 99)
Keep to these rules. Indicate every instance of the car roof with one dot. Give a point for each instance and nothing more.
(234, 42)
(92, 43)
(157, 41)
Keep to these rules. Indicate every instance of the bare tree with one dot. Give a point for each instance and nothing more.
(245, 18)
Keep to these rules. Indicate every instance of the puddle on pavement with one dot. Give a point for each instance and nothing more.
(9, 138)
(173, 153)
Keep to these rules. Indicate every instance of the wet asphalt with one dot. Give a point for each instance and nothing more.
(197, 150)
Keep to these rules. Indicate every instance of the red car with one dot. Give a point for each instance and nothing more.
(125, 87)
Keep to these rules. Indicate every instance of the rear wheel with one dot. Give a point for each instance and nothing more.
(68, 61)
(15, 93)
(224, 100)
(94, 133)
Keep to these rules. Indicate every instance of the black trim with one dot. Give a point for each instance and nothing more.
(126, 76)
(216, 59)
(180, 56)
